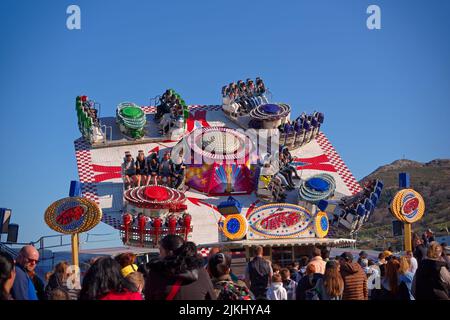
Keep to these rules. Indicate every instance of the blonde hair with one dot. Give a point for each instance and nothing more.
(404, 265)
(137, 279)
(434, 250)
(333, 282)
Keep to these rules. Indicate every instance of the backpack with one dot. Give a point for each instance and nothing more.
(228, 290)
(314, 292)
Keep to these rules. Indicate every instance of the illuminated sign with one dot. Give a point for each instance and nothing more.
(73, 215)
(279, 220)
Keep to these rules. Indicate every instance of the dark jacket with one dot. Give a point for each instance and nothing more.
(429, 284)
(307, 282)
(195, 284)
(420, 253)
(259, 271)
(355, 282)
(23, 288)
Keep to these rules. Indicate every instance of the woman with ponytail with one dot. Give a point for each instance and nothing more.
(178, 274)
(7, 275)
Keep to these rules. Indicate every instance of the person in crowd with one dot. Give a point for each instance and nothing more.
(7, 275)
(138, 280)
(444, 256)
(308, 287)
(128, 171)
(390, 282)
(127, 261)
(303, 263)
(24, 288)
(427, 237)
(178, 274)
(141, 169)
(420, 250)
(317, 261)
(373, 278)
(355, 280)
(276, 268)
(362, 255)
(276, 290)
(381, 263)
(225, 287)
(104, 281)
(405, 279)
(289, 284)
(432, 279)
(258, 274)
(332, 284)
(364, 263)
(412, 262)
(58, 280)
(144, 269)
(325, 253)
(165, 169)
(59, 294)
(294, 271)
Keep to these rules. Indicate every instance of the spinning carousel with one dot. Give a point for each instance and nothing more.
(235, 196)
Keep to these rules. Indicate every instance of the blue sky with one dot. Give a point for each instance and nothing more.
(385, 93)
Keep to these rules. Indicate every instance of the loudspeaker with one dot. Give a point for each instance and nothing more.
(397, 228)
(75, 189)
(403, 180)
(13, 232)
(5, 216)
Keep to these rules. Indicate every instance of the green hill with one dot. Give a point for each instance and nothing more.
(431, 180)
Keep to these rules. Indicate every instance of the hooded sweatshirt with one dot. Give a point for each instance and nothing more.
(355, 282)
(195, 284)
(277, 292)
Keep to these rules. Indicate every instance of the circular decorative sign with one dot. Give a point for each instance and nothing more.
(408, 206)
(279, 220)
(235, 226)
(73, 215)
(321, 224)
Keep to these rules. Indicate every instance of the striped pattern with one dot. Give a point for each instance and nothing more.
(348, 178)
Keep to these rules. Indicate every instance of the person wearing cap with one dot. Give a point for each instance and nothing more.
(362, 256)
(128, 171)
(428, 237)
(141, 169)
(355, 280)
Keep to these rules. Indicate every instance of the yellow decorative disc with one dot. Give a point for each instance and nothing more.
(235, 227)
(321, 224)
(73, 215)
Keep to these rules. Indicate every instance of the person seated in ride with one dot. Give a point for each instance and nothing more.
(165, 169)
(128, 171)
(250, 87)
(260, 87)
(177, 174)
(153, 170)
(141, 169)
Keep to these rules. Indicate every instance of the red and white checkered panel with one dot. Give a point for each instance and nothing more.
(337, 162)
(152, 109)
(112, 221)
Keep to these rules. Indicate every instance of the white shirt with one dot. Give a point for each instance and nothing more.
(413, 265)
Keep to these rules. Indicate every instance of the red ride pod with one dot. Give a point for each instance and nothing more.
(172, 224)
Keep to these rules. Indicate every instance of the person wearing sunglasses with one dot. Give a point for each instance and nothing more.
(24, 287)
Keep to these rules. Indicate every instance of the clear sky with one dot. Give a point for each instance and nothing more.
(385, 93)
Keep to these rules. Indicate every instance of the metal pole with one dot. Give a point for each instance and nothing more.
(408, 241)
(75, 249)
